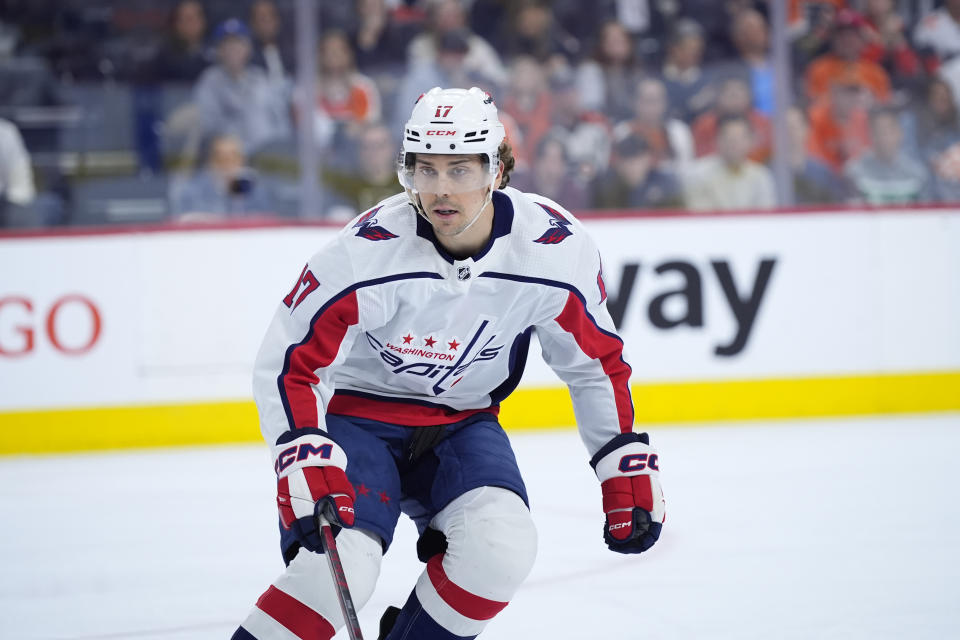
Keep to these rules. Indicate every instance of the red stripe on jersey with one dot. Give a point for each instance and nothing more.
(319, 351)
(462, 601)
(402, 413)
(304, 622)
(606, 348)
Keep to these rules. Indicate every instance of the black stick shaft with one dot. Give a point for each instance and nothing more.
(340, 582)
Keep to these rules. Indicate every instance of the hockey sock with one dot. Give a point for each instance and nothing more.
(415, 623)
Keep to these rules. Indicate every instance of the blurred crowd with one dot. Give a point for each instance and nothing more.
(150, 110)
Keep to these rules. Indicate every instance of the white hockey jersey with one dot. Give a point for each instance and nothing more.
(384, 324)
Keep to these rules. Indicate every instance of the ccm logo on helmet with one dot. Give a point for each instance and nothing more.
(638, 462)
(440, 132)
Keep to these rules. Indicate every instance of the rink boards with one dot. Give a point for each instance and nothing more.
(147, 338)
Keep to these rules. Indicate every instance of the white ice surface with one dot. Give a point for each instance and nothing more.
(807, 529)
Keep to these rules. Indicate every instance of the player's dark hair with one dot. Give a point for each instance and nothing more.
(509, 162)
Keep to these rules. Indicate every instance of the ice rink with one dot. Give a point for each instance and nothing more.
(801, 529)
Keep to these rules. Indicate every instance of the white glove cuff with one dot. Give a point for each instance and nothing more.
(312, 450)
(632, 459)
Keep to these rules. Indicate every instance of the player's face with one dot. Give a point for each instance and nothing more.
(452, 189)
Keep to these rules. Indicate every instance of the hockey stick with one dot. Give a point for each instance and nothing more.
(339, 579)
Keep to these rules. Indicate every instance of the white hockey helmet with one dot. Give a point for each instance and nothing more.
(451, 122)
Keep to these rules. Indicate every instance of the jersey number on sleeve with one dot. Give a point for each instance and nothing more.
(306, 284)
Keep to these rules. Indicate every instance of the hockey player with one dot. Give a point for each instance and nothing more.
(380, 379)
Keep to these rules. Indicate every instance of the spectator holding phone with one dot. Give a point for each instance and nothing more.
(224, 188)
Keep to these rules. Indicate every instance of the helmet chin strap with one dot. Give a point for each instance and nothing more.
(475, 217)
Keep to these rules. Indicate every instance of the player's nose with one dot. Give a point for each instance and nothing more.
(443, 185)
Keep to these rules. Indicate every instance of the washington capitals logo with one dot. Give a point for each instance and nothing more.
(440, 362)
(369, 229)
(558, 231)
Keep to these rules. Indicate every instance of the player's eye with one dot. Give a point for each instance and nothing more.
(427, 171)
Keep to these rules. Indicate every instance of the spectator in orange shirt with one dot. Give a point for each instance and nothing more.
(839, 125)
(845, 61)
(813, 181)
(344, 93)
(733, 99)
(346, 99)
(530, 103)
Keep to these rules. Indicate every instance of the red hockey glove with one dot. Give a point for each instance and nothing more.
(312, 480)
(628, 469)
